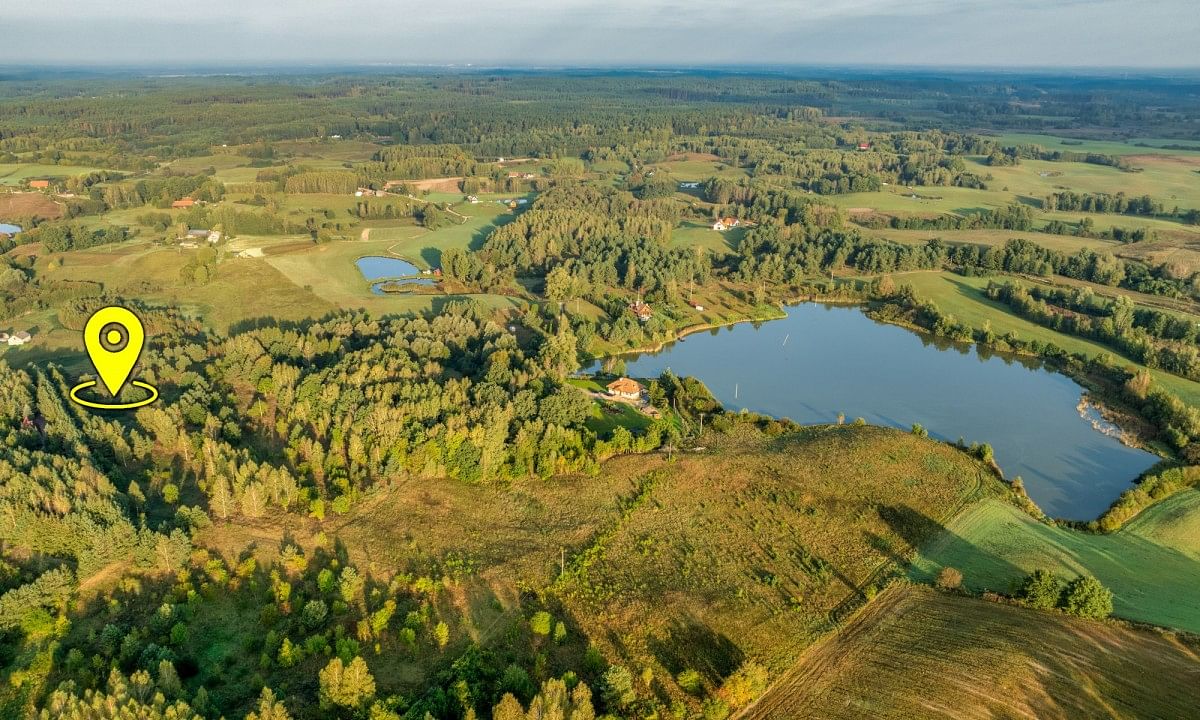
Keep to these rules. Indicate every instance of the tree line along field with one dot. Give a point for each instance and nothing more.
(914, 652)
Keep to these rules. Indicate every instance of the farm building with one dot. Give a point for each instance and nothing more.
(39, 184)
(182, 203)
(696, 306)
(198, 234)
(726, 223)
(641, 310)
(864, 146)
(18, 338)
(625, 388)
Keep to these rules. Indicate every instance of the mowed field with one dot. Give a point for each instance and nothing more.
(22, 205)
(917, 653)
(1151, 565)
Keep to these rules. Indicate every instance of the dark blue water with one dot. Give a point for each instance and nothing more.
(837, 360)
(379, 268)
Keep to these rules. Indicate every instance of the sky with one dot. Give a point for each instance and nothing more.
(947, 33)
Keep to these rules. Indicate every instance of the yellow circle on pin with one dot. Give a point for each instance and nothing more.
(113, 338)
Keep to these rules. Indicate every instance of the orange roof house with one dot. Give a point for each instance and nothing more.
(864, 146)
(39, 183)
(641, 310)
(186, 202)
(625, 388)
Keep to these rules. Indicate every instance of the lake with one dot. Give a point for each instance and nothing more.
(381, 268)
(824, 360)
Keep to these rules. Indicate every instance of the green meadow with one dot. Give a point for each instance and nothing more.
(1151, 564)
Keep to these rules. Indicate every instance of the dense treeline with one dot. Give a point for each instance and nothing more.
(1112, 322)
(69, 236)
(324, 181)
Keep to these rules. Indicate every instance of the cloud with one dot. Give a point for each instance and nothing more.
(528, 32)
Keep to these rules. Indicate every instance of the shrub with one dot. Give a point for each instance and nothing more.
(541, 623)
(1040, 590)
(690, 681)
(617, 687)
(744, 685)
(949, 578)
(1086, 597)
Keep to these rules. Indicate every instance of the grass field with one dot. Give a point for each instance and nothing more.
(745, 549)
(691, 233)
(22, 205)
(15, 173)
(963, 297)
(1151, 564)
(700, 168)
(424, 248)
(916, 653)
(1106, 147)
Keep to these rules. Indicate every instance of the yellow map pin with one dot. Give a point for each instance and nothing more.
(114, 338)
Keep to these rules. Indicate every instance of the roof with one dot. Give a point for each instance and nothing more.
(22, 335)
(198, 233)
(183, 202)
(39, 183)
(625, 385)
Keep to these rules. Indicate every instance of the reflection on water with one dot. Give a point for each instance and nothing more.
(837, 360)
(378, 268)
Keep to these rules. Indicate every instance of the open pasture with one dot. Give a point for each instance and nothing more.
(1151, 564)
(1132, 146)
(16, 173)
(32, 204)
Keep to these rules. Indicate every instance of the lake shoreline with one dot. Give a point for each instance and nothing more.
(887, 394)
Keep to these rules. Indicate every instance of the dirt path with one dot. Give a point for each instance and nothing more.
(109, 572)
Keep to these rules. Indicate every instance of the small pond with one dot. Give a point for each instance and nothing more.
(823, 360)
(380, 268)
(7, 229)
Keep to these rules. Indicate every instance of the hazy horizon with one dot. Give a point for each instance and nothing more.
(983, 34)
